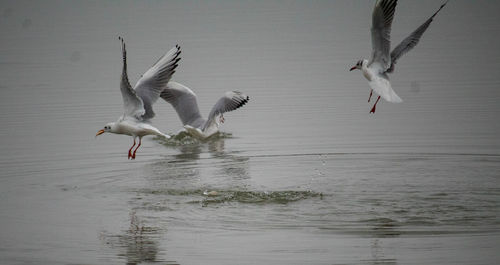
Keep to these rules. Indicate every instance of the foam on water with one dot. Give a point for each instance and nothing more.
(183, 138)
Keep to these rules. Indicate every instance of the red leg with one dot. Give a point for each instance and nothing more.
(140, 140)
(371, 92)
(374, 106)
(130, 150)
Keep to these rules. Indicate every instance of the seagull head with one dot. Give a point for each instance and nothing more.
(107, 128)
(358, 65)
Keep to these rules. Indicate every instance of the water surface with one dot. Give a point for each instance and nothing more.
(303, 174)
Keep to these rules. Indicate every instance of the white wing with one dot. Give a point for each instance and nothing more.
(230, 101)
(132, 104)
(184, 102)
(152, 82)
(383, 13)
(411, 41)
(381, 85)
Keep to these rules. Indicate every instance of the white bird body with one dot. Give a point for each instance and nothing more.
(199, 134)
(367, 72)
(135, 128)
(184, 101)
(138, 101)
(382, 62)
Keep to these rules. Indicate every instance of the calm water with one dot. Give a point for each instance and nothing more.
(301, 175)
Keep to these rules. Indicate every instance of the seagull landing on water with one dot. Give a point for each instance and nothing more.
(138, 101)
(382, 62)
(185, 103)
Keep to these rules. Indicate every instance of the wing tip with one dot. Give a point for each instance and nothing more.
(244, 100)
(441, 7)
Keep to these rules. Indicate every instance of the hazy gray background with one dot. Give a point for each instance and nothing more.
(305, 175)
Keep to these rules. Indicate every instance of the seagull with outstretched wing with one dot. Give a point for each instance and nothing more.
(184, 101)
(138, 101)
(383, 62)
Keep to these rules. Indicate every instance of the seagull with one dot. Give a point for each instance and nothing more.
(138, 101)
(382, 63)
(184, 101)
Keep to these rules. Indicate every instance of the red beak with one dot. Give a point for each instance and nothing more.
(352, 68)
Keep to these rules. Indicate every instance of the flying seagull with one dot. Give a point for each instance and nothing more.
(184, 101)
(383, 62)
(138, 102)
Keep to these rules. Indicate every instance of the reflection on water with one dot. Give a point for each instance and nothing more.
(136, 245)
(378, 256)
(190, 148)
(229, 175)
(188, 152)
(384, 227)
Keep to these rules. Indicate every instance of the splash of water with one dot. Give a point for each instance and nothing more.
(183, 138)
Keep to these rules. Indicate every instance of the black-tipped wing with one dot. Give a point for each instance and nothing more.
(383, 14)
(152, 82)
(230, 101)
(132, 104)
(184, 102)
(411, 41)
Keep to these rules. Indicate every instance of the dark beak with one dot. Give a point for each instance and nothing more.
(352, 68)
